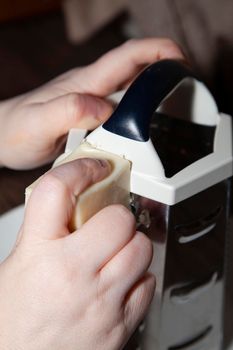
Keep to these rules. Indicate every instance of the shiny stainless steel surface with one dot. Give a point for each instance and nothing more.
(189, 241)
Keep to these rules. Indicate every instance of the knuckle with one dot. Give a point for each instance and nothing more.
(74, 106)
(149, 285)
(52, 183)
(145, 245)
(121, 222)
(170, 43)
(124, 213)
(152, 281)
(131, 42)
(119, 333)
(122, 210)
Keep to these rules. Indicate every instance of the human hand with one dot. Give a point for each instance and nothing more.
(83, 290)
(34, 126)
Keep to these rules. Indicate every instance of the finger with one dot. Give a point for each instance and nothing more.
(138, 301)
(120, 65)
(128, 266)
(103, 236)
(52, 201)
(71, 111)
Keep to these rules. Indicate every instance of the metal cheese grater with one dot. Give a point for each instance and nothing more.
(180, 146)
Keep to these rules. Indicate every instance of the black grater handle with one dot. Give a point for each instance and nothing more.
(131, 119)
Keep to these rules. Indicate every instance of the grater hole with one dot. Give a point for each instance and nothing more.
(213, 216)
(194, 342)
(196, 229)
(142, 327)
(186, 239)
(193, 290)
(180, 143)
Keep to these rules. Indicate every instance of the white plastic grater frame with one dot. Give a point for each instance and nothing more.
(147, 175)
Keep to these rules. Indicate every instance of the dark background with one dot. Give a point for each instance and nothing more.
(34, 49)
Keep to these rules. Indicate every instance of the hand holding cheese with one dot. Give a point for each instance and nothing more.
(114, 189)
(34, 126)
(82, 290)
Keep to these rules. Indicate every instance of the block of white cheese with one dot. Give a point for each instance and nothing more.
(114, 189)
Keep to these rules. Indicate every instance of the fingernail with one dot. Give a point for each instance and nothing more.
(104, 163)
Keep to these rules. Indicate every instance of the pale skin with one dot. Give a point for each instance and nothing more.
(88, 289)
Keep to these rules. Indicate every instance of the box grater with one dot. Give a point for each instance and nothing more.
(168, 125)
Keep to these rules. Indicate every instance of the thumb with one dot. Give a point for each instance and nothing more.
(73, 110)
(51, 204)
